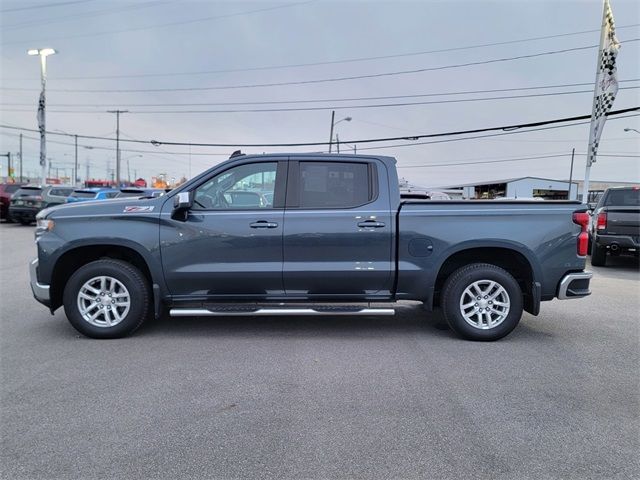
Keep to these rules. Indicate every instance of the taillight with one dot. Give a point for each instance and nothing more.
(601, 222)
(582, 219)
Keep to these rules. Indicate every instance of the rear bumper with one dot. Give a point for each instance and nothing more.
(23, 212)
(574, 285)
(622, 241)
(40, 291)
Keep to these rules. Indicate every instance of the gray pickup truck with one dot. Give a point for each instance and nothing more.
(615, 228)
(311, 234)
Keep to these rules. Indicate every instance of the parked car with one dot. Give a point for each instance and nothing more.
(30, 199)
(615, 228)
(85, 194)
(141, 192)
(337, 232)
(6, 192)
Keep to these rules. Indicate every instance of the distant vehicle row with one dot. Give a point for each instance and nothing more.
(21, 203)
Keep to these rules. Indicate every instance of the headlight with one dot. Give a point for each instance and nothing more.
(44, 225)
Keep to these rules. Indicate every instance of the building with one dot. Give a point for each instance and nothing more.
(523, 187)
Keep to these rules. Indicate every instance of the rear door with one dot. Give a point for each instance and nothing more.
(337, 229)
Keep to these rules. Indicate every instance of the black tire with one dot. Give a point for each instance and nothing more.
(464, 277)
(24, 221)
(598, 255)
(130, 277)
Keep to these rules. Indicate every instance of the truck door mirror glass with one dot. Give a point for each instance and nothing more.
(182, 202)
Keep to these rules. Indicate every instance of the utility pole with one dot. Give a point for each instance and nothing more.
(573, 153)
(337, 143)
(75, 165)
(21, 158)
(117, 112)
(333, 117)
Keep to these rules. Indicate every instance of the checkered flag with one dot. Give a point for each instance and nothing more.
(606, 81)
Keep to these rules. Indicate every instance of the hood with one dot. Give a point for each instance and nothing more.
(118, 206)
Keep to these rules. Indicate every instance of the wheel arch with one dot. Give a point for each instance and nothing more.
(512, 257)
(81, 254)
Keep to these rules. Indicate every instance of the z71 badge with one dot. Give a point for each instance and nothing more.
(138, 209)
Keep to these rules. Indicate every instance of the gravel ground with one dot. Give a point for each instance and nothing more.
(330, 397)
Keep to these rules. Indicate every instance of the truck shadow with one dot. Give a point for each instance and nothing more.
(618, 267)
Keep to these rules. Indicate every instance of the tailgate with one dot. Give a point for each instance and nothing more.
(623, 221)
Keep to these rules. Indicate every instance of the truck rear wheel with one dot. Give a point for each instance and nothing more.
(598, 255)
(107, 299)
(482, 302)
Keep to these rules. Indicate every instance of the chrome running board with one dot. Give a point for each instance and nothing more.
(244, 311)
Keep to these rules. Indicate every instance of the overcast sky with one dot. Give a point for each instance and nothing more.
(134, 45)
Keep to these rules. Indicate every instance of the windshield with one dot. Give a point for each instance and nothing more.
(624, 198)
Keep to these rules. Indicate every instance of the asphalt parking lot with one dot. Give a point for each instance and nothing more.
(386, 397)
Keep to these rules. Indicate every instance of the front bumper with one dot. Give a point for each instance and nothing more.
(40, 291)
(574, 285)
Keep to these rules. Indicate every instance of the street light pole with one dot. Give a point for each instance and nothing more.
(43, 53)
(75, 166)
(333, 124)
(21, 159)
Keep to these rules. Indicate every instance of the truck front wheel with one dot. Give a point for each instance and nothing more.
(482, 302)
(107, 299)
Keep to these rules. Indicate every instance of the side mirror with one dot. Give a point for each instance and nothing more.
(182, 202)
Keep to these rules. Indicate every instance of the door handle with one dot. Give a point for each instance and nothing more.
(371, 224)
(263, 224)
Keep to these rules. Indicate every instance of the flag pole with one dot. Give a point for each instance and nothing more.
(591, 156)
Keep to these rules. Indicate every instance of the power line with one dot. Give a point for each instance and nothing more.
(111, 149)
(331, 107)
(334, 62)
(506, 128)
(518, 159)
(282, 102)
(491, 135)
(43, 5)
(324, 80)
(448, 164)
(170, 24)
(93, 13)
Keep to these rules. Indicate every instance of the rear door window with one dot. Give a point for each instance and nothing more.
(334, 184)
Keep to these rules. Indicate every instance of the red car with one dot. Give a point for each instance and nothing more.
(6, 191)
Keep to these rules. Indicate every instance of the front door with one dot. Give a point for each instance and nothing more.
(338, 229)
(230, 245)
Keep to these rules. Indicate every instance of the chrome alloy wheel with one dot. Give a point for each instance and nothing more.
(484, 304)
(103, 301)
